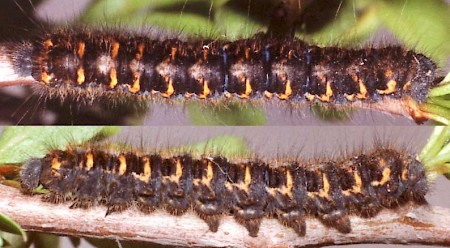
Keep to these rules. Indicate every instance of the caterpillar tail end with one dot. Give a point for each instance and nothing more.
(30, 176)
(16, 64)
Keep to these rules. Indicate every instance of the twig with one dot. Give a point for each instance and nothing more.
(424, 225)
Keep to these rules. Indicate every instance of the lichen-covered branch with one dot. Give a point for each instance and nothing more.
(425, 225)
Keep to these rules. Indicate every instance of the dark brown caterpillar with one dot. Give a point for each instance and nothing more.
(91, 64)
(249, 189)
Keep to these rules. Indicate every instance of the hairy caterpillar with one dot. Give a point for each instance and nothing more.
(90, 66)
(249, 189)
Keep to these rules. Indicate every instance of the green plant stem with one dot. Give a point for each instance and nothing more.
(440, 90)
(438, 113)
(437, 140)
(441, 101)
(435, 156)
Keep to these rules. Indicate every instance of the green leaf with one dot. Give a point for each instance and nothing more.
(443, 101)
(192, 17)
(43, 240)
(226, 114)
(331, 113)
(443, 88)
(228, 146)
(189, 23)
(40, 190)
(435, 155)
(18, 144)
(436, 141)
(354, 22)
(235, 22)
(11, 240)
(9, 225)
(113, 10)
(423, 25)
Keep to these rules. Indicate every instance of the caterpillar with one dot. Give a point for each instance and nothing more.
(213, 186)
(92, 65)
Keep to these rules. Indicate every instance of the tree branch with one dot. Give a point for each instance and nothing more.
(424, 225)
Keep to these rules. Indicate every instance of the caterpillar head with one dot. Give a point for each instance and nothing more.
(424, 79)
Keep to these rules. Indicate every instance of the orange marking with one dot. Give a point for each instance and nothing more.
(113, 77)
(89, 161)
(206, 180)
(248, 176)
(45, 78)
(136, 83)
(358, 182)
(147, 170)
(179, 170)
(81, 49)
(55, 164)
(388, 73)
(351, 97)
(326, 187)
(290, 54)
(328, 93)
(287, 91)
(404, 174)
(362, 90)
(170, 89)
(406, 86)
(248, 90)
(415, 110)
(386, 177)
(248, 87)
(227, 94)
(80, 75)
(287, 189)
(48, 43)
(247, 53)
(206, 90)
(205, 54)
(209, 172)
(178, 173)
(173, 53)
(247, 180)
(268, 94)
(122, 164)
(391, 88)
(140, 52)
(115, 50)
(310, 97)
